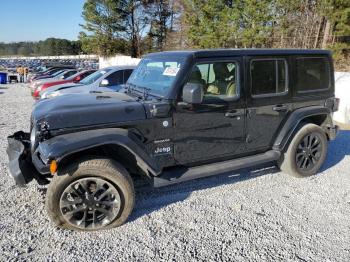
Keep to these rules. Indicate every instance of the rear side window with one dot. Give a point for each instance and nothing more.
(313, 74)
(268, 77)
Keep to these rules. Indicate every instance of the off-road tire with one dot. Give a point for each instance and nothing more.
(106, 169)
(288, 163)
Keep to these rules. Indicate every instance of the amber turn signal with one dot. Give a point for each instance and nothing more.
(53, 167)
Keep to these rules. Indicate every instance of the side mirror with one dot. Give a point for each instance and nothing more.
(192, 93)
(104, 82)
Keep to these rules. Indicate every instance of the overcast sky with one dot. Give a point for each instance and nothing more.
(33, 20)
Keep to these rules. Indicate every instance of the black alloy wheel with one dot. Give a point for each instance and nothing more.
(90, 202)
(309, 152)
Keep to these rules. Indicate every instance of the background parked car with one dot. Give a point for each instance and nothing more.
(48, 72)
(107, 79)
(61, 75)
(72, 79)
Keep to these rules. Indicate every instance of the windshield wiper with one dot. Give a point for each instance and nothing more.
(146, 92)
(132, 88)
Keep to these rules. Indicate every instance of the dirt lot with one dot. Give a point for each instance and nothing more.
(247, 215)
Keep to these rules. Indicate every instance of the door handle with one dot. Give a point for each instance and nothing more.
(280, 108)
(233, 114)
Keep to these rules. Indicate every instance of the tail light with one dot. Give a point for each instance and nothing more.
(332, 104)
(336, 104)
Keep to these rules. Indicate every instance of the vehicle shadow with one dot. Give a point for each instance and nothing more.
(337, 150)
(150, 199)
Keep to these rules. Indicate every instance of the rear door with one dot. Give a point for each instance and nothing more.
(268, 99)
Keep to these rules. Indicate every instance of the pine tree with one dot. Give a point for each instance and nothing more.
(211, 24)
(223, 23)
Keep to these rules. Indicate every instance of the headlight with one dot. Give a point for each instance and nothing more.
(33, 138)
(50, 94)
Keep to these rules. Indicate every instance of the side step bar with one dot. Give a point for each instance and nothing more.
(185, 174)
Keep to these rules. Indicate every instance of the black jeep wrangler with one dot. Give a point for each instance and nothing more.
(181, 116)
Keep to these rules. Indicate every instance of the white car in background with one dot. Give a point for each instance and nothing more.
(342, 91)
(104, 80)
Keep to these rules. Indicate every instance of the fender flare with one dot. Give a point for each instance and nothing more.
(294, 120)
(62, 146)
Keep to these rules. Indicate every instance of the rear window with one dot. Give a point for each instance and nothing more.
(313, 74)
(268, 77)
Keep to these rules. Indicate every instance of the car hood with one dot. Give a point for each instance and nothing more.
(40, 78)
(88, 89)
(57, 82)
(88, 109)
(77, 89)
(45, 80)
(61, 86)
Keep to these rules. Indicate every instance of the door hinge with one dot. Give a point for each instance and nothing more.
(249, 114)
(248, 139)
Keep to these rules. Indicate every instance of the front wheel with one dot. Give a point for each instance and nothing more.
(306, 152)
(91, 195)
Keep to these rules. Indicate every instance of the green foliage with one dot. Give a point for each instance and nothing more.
(105, 20)
(51, 46)
(211, 23)
(115, 26)
(161, 14)
(256, 22)
(220, 23)
(119, 26)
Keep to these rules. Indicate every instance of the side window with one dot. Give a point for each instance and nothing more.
(127, 74)
(313, 74)
(219, 79)
(115, 78)
(268, 77)
(69, 73)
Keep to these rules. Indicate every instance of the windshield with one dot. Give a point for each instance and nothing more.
(156, 74)
(94, 76)
(57, 73)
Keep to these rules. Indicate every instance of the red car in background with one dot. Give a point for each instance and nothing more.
(72, 79)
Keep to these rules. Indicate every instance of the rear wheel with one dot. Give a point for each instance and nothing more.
(91, 195)
(306, 152)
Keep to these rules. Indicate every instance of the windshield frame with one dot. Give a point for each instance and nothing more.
(156, 58)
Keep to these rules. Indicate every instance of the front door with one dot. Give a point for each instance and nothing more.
(214, 129)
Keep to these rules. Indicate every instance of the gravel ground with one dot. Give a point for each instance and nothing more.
(248, 215)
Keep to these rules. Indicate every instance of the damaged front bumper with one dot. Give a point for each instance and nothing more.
(24, 166)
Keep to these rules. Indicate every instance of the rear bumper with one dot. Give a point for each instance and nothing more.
(20, 160)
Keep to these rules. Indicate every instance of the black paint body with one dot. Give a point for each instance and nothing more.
(164, 134)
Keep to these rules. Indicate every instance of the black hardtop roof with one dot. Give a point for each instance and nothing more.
(237, 52)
